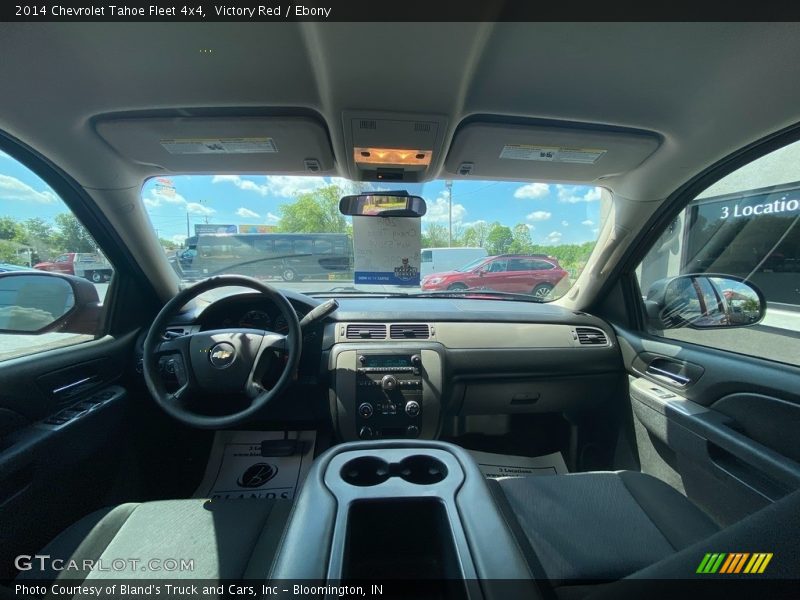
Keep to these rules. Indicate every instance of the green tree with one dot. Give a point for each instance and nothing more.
(38, 230)
(521, 243)
(167, 244)
(434, 236)
(11, 230)
(9, 253)
(314, 212)
(476, 234)
(499, 239)
(72, 236)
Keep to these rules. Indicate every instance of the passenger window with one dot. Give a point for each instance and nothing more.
(427, 256)
(302, 247)
(541, 265)
(323, 247)
(39, 235)
(518, 264)
(497, 266)
(746, 225)
(283, 247)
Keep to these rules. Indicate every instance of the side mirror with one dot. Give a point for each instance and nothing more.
(35, 303)
(704, 301)
(383, 204)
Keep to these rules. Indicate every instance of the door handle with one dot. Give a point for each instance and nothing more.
(669, 376)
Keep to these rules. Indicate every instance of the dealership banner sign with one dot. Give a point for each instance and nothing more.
(386, 250)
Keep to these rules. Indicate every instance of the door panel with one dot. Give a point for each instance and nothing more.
(718, 426)
(61, 444)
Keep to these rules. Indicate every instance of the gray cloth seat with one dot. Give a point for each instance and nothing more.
(590, 527)
(224, 539)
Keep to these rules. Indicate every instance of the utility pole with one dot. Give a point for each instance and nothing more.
(449, 185)
(187, 225)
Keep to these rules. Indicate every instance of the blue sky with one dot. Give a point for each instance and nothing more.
(554, 213)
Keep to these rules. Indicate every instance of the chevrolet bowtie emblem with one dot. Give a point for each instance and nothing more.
(222, 355)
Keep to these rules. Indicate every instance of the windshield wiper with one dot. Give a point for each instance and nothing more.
(350, 291)
(473, 293)
(254, 261)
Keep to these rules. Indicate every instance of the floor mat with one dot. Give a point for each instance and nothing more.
(257, 464)
(503, 465)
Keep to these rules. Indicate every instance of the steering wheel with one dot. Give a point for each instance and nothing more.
(220, 362)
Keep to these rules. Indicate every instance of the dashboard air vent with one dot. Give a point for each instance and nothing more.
(367, 331)
(591, 337)
(414, 331)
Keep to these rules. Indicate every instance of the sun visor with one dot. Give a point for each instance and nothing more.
(570, 153)
(284, 145)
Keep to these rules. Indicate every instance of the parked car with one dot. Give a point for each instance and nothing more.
(91, 266)
(535, 274)
(439, 260)
(6, 267)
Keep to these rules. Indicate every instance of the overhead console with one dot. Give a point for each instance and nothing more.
(545, 150)
(392, 147)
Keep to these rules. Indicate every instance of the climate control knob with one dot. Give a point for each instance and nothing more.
(416, 360)
(365, 410)
(366, 432)
(412, 408)
(389, 382)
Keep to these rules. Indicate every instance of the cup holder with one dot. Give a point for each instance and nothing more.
(418, 469)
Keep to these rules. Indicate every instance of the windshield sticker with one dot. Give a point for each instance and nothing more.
(586, 156)
(261, 145)
(387, 250)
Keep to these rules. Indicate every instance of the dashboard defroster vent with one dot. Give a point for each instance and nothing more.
(589, 336)
(411, 331)
(366, 331)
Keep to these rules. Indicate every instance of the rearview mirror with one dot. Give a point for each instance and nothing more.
(705, 301)
(34, 303)
(383, 204)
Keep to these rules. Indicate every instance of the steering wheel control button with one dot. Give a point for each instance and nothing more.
(222, 355)
(389, 382)
(365, 410)
(366, 433)
(412, 408)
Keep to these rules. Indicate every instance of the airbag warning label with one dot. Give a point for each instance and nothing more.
(586, 156)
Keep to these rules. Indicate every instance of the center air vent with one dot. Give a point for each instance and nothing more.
(367, 331)
(589, 336)
(414, 331)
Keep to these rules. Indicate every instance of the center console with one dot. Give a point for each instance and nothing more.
(393, 511)
(386, 391)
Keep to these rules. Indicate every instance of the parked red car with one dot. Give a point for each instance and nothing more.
(93, 267)
(534, 274)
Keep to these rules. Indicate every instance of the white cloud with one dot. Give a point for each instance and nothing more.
(273, 218)
(573, 194)
(565, 223)
(438, 211)
(12, 188)
(178, 238)
(284, 186)
(473, 223)
(532, 190)
(247, 213)
(587, 222)
(596, 230)
(553, 237)
(539, 215)
(152, 202)
(196, 208)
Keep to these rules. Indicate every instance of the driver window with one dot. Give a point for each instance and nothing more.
(38, 235)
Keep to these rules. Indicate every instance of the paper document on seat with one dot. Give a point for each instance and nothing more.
(494, 466)
(238, 468)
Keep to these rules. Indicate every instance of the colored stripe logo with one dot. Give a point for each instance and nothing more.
(731, 563)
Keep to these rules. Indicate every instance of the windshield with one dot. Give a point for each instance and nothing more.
(535, 238)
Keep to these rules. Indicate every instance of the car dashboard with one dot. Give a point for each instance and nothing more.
(398, 367)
